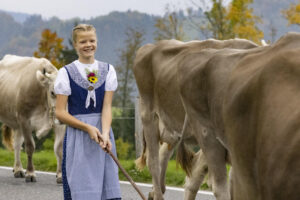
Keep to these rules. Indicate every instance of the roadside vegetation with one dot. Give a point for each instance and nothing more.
(46, 161)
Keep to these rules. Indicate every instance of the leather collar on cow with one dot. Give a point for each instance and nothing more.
(51, 110)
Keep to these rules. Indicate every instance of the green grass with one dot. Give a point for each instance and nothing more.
(174, 177)
(46, 161)
(43, 160)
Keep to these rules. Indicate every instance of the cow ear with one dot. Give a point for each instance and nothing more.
(42, 78)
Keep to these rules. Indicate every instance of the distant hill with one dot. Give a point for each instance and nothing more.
(18, 17)
(23, 38)
(20, 32)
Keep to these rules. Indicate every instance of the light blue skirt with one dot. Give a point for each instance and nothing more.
(88, 172)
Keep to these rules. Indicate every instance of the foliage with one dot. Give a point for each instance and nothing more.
(126, 82)
(124, 125)
(1, 145)
(116, 112)
(292, 14)
(48, 144)
(217, 22)
(169, 27)
(39, 143)
(122, 149)
(46, 161)
(243, 21)
(50, 47)
(69, 54)
(236, 20)
(43, 160)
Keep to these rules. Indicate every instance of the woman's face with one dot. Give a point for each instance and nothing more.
(86, 45)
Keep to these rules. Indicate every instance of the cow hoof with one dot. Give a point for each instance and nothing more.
(163, 189)
(150, 196)
(30, 179)
(59, 180)
(19, 174)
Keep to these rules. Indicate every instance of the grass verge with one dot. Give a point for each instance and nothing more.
(46, 161)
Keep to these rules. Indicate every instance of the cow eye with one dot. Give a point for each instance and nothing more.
(53, 95)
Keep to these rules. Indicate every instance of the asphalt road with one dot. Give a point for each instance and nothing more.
(46, 188)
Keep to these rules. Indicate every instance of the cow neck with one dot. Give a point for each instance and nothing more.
(51, 108)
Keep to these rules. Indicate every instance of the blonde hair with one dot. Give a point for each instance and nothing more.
(81, 27)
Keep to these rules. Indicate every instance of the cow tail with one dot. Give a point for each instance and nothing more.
(7, 137)
(185, 157)
(141, 161)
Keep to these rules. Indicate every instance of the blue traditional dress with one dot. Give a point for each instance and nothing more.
(88, 172)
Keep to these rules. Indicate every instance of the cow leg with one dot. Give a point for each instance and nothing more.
(231, 185)
(164, 156)
(29, 148)
(18, 141)
(209, 180)
(151, 133)
(199, 170)
(215, 155)
(59, 131)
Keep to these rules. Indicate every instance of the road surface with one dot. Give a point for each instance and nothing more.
(46, 188)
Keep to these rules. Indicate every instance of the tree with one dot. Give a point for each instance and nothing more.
(133, 41)
(273, 31)
(50, 47)
(218, 24)
(169, 27)
(243, 21)
(69, 54)
(124, 96)
(292, 14)
(235, 20)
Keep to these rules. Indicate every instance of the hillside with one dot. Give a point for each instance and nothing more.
(23, 38)
(20, 32)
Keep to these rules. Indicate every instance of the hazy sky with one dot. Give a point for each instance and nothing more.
(66, 9)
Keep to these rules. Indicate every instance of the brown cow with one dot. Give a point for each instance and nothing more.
(204, 74)
(256, 84)
(262, 122)
(155, 70)
(27, 103)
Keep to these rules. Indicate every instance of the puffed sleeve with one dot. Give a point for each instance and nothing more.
(111, 79)
(62, 83)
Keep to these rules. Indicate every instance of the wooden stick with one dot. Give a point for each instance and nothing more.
(126, 174)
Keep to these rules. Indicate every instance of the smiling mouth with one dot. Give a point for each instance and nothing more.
(88, 50)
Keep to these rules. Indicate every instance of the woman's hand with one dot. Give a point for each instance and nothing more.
(94, 133)
(105, 142)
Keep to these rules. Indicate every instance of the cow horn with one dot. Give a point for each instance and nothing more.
(48, 75)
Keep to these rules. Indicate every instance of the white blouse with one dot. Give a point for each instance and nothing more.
(62, 82)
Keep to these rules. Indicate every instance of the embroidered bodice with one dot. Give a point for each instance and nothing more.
(86, 97)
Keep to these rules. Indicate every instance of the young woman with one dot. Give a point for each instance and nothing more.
(86, 86)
